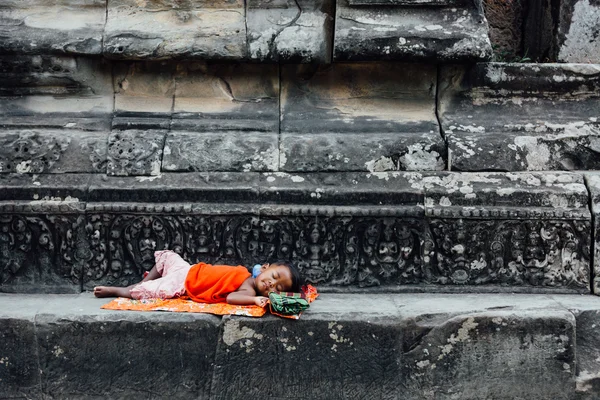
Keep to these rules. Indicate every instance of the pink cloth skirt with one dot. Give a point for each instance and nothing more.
(173, 270)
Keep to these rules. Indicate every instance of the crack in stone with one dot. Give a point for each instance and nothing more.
(271, 42)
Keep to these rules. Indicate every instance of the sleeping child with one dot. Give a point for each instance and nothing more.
(172, 277)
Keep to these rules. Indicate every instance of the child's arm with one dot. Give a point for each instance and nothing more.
(246, 295)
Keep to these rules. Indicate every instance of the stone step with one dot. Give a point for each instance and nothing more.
(397, 232)
(511, 117)
(412, 346)
(236, 30)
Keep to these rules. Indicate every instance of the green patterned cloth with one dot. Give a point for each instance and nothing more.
(288, 303)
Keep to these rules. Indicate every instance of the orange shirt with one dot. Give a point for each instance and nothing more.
(206, 283)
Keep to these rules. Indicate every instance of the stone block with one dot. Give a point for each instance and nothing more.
(494, 354)
(43, 151)
(358, 98)
(360, 152)
(169, 355)
(52, 27)
(515, 117)
(19, 370)
(369, 117)
(232, 97)
(144, 94)
(223, 151)
(410, 33)
(174, 29)
(340, 357)
(579, 32)
(290, 31)
(42, 91)
(135, 152)
(588, 354)
(593, 184)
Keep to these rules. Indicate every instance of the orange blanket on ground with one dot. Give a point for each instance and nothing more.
(206, 283)
(184, 304)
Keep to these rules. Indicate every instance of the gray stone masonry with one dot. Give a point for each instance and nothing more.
(362, 232)
(299, 31)
(509, 117)
(385, 346)
(431, 30)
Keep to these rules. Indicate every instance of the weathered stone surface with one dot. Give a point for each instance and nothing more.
(43, 151)
(43, 252)
(474, 356)
(410, 33)
(222, 151)
(358, 98)
(231, 97)
(505, 19)
(343, 190)
(593, 183)
(579, 31)
(401, 231)
(290, 30)
(86, 352)
(482, 346)
(57, 187)
(360, 152)
(175, 29)
(144, 94)
(463, 351)
(52, 27)
(515, 117)
(55, 92)
(19, 368)
(370, 117)
(404, 2)
(135, 152)
(252, 353)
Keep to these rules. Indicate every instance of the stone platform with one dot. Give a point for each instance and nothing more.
(384, 346)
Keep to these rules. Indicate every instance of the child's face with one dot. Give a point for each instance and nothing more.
(273, 278)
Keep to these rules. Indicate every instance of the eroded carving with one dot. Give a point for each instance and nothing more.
(29, 152)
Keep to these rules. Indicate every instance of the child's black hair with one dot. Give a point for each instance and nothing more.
(297, 280)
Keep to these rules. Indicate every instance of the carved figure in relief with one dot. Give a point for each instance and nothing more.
(172, 277)
(15, 243)
(203, 241)
(316, 247)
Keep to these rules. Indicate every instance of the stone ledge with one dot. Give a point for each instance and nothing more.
(515, 117)
(468, 345)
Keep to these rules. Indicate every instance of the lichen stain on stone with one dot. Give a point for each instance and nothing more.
(419, 157)
(537, 154)
(232, 333)
(462, 335)
(583, 381)
(381, 164)
(580, 46)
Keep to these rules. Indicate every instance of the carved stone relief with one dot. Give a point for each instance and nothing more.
(352, 251)
(41, 253)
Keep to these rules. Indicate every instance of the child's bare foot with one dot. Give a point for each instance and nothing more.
(112, 291)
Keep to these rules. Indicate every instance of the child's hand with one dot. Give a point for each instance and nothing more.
(261, 301)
